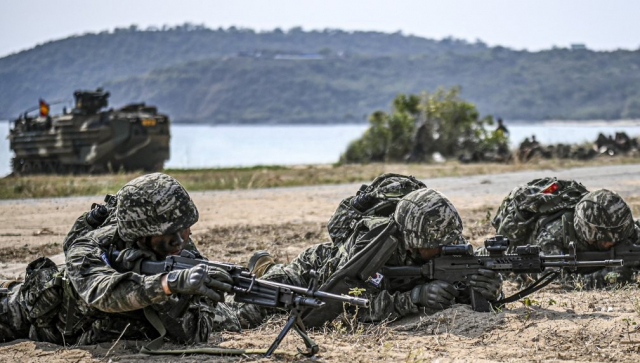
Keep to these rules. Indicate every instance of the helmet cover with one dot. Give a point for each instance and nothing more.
(603, 216)
(151, 205)
(427, 219)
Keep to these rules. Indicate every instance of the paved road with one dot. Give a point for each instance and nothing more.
(624, 179)
(39, 221)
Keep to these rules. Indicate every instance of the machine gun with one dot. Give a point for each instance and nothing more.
(248, 289)
(457, 263)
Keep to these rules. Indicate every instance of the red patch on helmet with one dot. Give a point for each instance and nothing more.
(550, 189)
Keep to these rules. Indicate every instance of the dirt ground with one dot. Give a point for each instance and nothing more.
(555, 324)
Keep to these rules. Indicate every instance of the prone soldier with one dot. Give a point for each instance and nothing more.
(552, 213)
(423, 221)
(94, 299)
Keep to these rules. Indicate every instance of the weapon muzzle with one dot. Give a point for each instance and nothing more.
(358, 301)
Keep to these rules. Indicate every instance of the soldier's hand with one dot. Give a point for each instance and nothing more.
(605, 277)
(436, 295)
(128, 257)
(488, 283)
(221, 279)
(196, 281)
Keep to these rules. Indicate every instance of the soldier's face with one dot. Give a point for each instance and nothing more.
(169, 244)
(604, 246)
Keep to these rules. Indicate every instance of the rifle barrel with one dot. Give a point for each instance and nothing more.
(344, 298)
(556, 257)
(604, 263)
(319, 294)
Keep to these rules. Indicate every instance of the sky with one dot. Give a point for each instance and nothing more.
(519, 24)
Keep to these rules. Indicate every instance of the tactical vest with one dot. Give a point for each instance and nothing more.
(530, 207)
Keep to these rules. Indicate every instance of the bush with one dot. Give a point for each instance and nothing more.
(419, 126)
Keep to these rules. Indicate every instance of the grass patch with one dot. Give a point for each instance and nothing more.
(41, 186)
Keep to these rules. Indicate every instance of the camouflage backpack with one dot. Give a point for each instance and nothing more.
(379, 199)
(88, 221)
(531, 206)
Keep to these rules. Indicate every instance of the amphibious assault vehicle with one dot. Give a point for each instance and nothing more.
(88, 140)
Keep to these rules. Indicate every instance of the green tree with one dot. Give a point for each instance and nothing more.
(421, 125)
(373, 145)
(401, 125)
(457, 124)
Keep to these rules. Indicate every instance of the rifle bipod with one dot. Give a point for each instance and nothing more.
(295, 322)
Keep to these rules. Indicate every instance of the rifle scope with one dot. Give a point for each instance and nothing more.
(496, 244)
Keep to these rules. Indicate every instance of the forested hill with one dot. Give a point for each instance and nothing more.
(240, 76)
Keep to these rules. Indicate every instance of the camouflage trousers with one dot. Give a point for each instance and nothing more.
(44, 309)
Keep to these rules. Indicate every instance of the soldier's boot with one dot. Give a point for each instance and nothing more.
(260, 262)
(7, 284)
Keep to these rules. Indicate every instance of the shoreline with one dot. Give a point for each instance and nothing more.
(554, 122)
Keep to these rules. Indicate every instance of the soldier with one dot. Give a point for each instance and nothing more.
(601, 220)
(523, 149)
(502, 130)
(95, 297)
(623, 142)
(426, 221)
(561, 212)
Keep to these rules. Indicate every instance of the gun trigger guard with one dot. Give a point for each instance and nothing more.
(460, 286)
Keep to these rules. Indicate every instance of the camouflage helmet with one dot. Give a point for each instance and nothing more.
(427, 219)
(151, 205)
(602, 216)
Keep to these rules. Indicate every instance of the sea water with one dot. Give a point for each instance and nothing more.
(201, 146)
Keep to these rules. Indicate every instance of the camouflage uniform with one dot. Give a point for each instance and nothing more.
(94, 296)
(599, 216)
(327, 258)
(596, 211)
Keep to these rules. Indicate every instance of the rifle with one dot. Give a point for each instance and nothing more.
(248, 289)
(457, 263)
